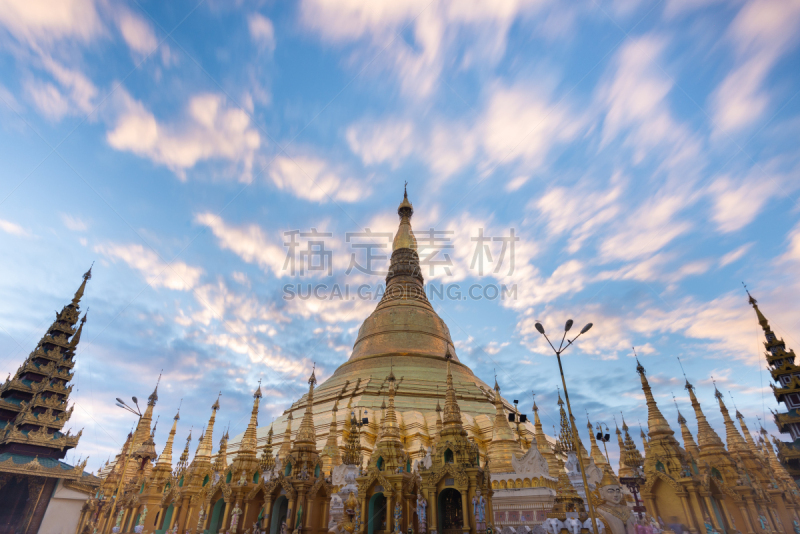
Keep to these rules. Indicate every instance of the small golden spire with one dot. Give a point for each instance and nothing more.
(405, 235)
(656, 423)
(165, 460)
(267, 462)
(79, 293)
(306, 436)
(206, 444)
(707, 438)
(735, 441)
(452, 413)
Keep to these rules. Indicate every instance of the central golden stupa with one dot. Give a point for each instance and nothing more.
(404, 336)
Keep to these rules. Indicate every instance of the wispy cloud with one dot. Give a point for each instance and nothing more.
(157, 272)
(211, 130)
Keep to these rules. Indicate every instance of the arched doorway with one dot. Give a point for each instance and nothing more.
(216, 516)
(451, 516)
(279, 511)
(376, 514)
(14, 496)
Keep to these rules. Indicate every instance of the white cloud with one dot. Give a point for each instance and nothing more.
(521, 124)
(635, 96)
(262, 32)
(389, 142)
(13, 228)
(212, 130)
(137, 32)
(761, 32)
(248, 242)
(579, 211)
(518, 125)
(314, 179)
(735, 254)
(175, 275)
(437, 29)
(241, 313)
(75, 96)
(40, 22)
(73, 223)
(738, 202)
(648, 229)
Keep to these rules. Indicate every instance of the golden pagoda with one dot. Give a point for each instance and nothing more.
(708, 486)
(786, 390)
(33, 412)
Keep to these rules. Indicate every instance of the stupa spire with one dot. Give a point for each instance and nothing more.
(565, 435)
(503, 446)
(735, 442)
(248, 443)
(624, 469)
(79, 293)
(751, 445)
(688, 440)
(707, 438)
(183, 461)
(330, 453)
(246, 459)
(405, 235)
(165, 460)
(542, 444)
(286, 444)
(221, 459)
(267, 462)
(206, 444)
(657, 425)
(49, 366)
(352, 450)
(306, 436)
(633, 458)
(599, 460)
(451, 423)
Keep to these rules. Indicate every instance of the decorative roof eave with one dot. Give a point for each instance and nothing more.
(786, 368)
(783, 419)
(782, 354)
(35, 468)
(41, 438)
(791, 387)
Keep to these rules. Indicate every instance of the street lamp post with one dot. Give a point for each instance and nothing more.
(117, 495)
(561, 348)
(604, 438)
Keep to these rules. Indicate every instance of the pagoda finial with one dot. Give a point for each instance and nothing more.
(452, 412)
(688, 386)
(153, 398)
(656, 423)
(405, 236)
(79, 293)
(306, 437)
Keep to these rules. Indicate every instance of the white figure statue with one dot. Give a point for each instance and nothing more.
(422, 513)
(479, 508)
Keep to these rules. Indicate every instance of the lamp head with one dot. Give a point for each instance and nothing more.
(540, 328)
(568, 325)
(135, 401)
(120, 401)
(586, 328)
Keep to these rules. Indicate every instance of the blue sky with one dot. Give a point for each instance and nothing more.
(644, 153)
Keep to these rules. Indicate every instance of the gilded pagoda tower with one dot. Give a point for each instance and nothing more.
(34, 409)
(786, 390)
